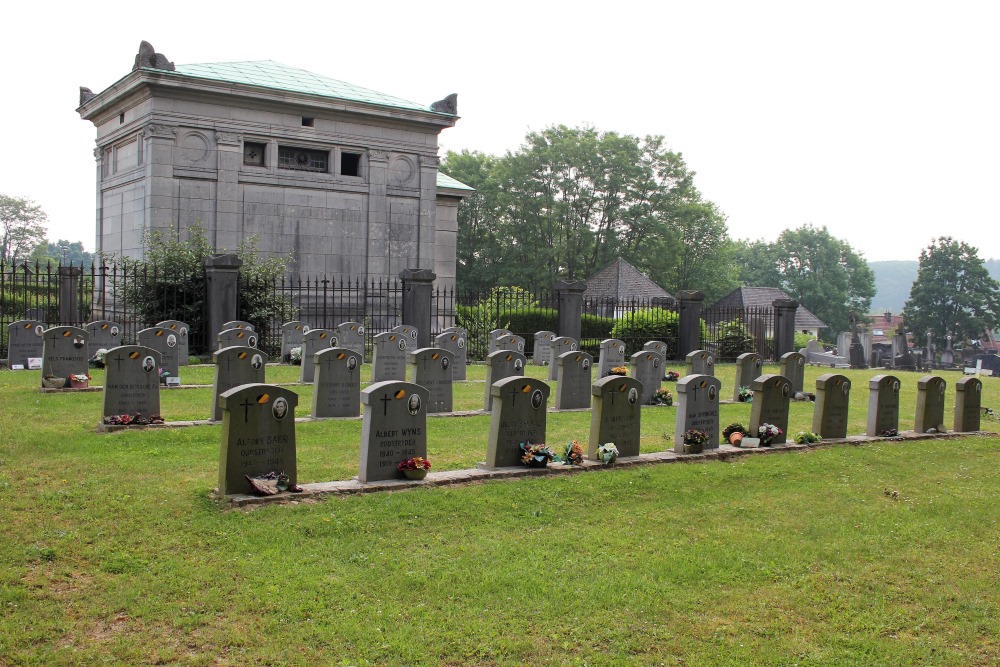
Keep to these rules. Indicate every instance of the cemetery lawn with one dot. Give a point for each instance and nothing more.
(113, 551)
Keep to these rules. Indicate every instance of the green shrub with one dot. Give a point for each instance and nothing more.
(734, 339)
(802, 340)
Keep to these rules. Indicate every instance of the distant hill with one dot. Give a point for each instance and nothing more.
(893, 280)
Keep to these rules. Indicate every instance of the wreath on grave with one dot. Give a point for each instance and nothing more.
(618, 370)
(132, 420)
(536, 455)
(806, 437)
(271, 483)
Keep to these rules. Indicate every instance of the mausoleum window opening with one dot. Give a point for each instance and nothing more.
(303, 159)
(121, 118)
(350, 164)
(253, 154)
(308, 122)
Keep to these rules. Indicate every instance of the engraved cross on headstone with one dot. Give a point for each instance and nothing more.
(246, 409)
(385, 404)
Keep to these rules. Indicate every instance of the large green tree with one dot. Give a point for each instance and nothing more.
(23, 228)
(953, 293)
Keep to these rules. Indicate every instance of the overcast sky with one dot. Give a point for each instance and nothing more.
(876, 119)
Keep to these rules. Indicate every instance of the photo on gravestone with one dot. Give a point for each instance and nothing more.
(181, 330)
(573, 388)
(929, 415)
(833, 400)
(352, 336)
(559, 345)
(615, 415)
(771, 396)
(883, 406)
(454, 342)
(394, 428)
(131, 382)
(612, 354)
(64, 353)
(542, 352)
(163, 341)
(793, 367)
(697, 408)
(408, 332)
(430, 367)
(313, 341)
(700, 362)
(389, 357)
(291, 336)
(258, 437)
(748, 369)
(968, 402)
(647, 368)
(234, 366)
(499, 365)
(24, 341)
(518, 415)
(104, 335)
(337, 385)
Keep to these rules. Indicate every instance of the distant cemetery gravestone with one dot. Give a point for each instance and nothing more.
(337, 383)
(236, 338)
(930, 404)
(697, 408)
(165, 342)
(24, 341)
(541, 352)
(647, 368)
(968, 404)
(573, 389)
(615, 416)
(500, 365)
(291, 336)
(748, 368)
(64, 352)
(430, 367)
(793, 367)
(559, 345)
(883, 405)
(771, 396)
(612, 354)
(131, 383)
(455, 342)
(182, 330)
(234, 366)
(833, 401)
(352, 336)
(104, 335)
(700, 362)
(390, 357)
(313, 341)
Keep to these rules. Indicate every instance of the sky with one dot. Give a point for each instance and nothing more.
(879, 120)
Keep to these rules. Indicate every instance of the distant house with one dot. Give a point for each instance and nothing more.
(883, 326)
(763, 298)
(619, 286)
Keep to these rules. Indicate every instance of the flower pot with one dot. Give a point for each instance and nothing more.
(609, 458)
(535, 463)
(419, 473)
(735, 439)
(54, 383)
(691, 448)
(79, 384)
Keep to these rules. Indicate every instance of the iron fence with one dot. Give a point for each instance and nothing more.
(728, 332)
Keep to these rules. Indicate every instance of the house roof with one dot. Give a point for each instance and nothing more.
(759, 297)
(620, 280)
(883, 326)
(446, 181)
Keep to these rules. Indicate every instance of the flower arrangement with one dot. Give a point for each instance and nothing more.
(768, 432)
(662, 397)
(79, 377)
(672, 376)
(734, 433)
(694, 441)
(618, 370)
(574, 454)
(97, 361)
(745, 395)
(295, 356)
(132, 420)
(607, 453)
(536, 455)
(806, 437)
(889, 433)
(414, 463)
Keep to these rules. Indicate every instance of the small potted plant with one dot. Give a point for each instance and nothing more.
(574, 454)
(806, 437)
(672, 376)
(79, 380)
(618, 370)
(734, 433)
(662, 397)
(536, 455)
(768, 432)
(745, 395)
(415, 467)
(97, 361)
(695, 441)
(607, 453)
(295, 356)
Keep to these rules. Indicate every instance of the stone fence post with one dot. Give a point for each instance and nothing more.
(784, 326)
(69, 294)
(689, 321)
(569, 296)
(417, 286)
(221, 302)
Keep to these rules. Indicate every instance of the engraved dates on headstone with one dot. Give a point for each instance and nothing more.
(748, 369)
(430, 367)
(700, 362)
(612, 354)
(64, 352)
(235, 366)
(337, 383)
(647, 368)
(500, 365)
(455, 342)
(131, 384)
(930, 404)
(258, 435)
(883, 405)
(771, 396)
(24, 340)
(165, 342)
(518, 415)
(390, 357)
(394, 428)
(573, 390)
(833, 400)
(615, 415)
(313, 341)
(968, 402)
(697, 408)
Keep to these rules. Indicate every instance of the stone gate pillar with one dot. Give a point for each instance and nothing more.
(784, 326)
(570, 299)
(689, 321)
(221, 302)
(69, 294)
(417, 286)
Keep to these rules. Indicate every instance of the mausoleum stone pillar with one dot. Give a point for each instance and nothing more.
(689, 321)
(221, 275)
(784, 326)
(69, 294)
(225, 234)
(570, 300)
(417, 285)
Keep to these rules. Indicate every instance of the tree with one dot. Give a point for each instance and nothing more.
(953, 293)
(23, 228)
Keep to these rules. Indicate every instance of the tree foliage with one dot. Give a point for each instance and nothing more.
(953, 293)
(23, 228)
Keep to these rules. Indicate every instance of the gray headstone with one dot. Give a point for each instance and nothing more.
(700, 362)
(337, 383)
(771, 396)
(495, 335)
(409, 332)
(390, 356)
(612, 353)
(500, 365)
(313, 341)
(452, 329)
(182, 330)
(131, 383)
(104, 335)
(24, 340)
(239, 324)
(559, 345)
(647, 368)
(697, 407)
(833, 401)
(657, 346)
(749, 367)
(815, 354)
(990, 362)
(519, 412)
(64, 351)
(394, 428)
(236, 338)
(575, 378)
(541, 355)
(258, 435)
(883, 405)
(968, 403)
(510, 342)
(455, 342)
(165, 342)
(291, 336)
(793, 367)
(235, 366)
(352, 336)
(615, 415)
(930, 404)
(431, 368)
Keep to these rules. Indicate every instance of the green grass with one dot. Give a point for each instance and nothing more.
(114, 553)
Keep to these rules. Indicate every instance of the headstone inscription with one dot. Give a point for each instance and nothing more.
(337, 383)
(394, 428)
(236, 338)
(771, 395)
(612, 354)
(700, 362)
(24, 340)
(352, 336)
(291, 336)
(615, 415)
(930, 405)
(559, 345)
(883, 405)
(518, 415)
(510, 342)
(968, 404)
(131, 383)
(313, 341)
(793, 367)
(238, 324)
(258, 435)
(389, 357)
(748, 369)
(647, 368)
(234, 366)
(697, 408)
(104, 335)
(430, 367)
(408, 332)
(573, 390)
(541, 353)
(181, 329)
(833, 400)
(454, 342)
(163, 341)
(500, 365)
(495, 335)
(64, 352)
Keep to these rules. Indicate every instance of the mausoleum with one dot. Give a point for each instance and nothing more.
(343, 178)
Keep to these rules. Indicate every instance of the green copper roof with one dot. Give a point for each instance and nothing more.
(446, 181)
(269, 74)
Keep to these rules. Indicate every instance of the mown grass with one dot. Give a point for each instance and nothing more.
(114, 552)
